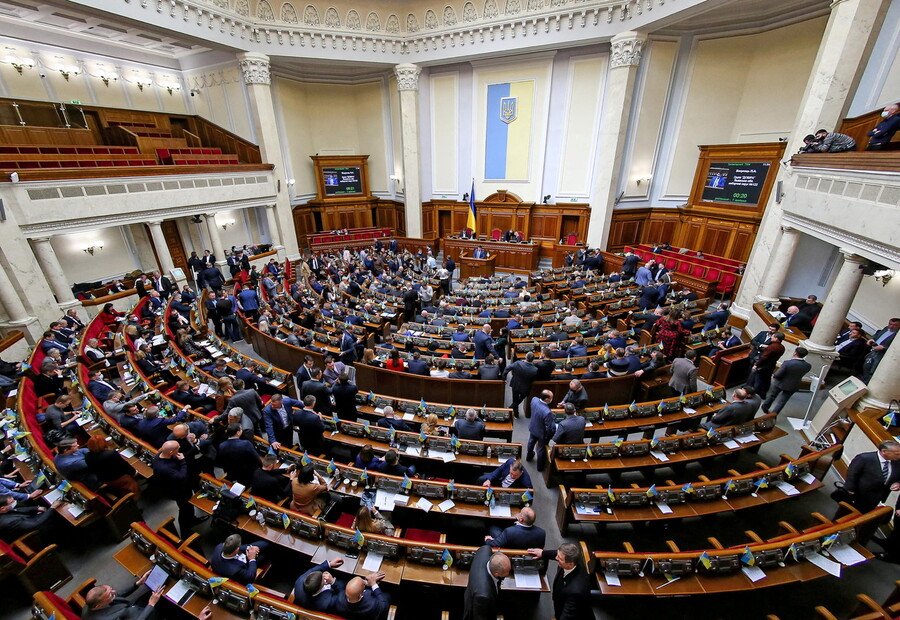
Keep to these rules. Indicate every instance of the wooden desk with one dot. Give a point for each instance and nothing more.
(471, 267)
(516, 257)
(561, 250)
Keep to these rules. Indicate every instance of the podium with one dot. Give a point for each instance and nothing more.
(476, 267)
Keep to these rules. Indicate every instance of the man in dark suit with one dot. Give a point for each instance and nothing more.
(154, 429)
(469, 427)
(362, 599)
(310, 428)
(763, 339)
(717, 319)
(317, 588)
(344, 393)
(540, 429)
(236, 561)
(184, 395)
(480, 602)
(249, 402)
(99, 387)
(799, 320)
(523, 534)
(316, 387)
(786, 381)
(278, 417)
(16, 521)
(103, 602)
(761, 371)
(871, 476)
(571, 429)
(484, 344)
(303, 373)
(630, 265)
(879, 344)
(237, 456)
(571, 587)
(852, 349)
(416, 366)
(170, 475)
(510, 475)
(390, 420)
(545, 366)
(524, 373)
(737, 412)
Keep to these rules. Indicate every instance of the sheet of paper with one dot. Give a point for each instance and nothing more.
(846, 555)
(51, 496)
(203, 390)
(127, 453)
(584, 510)
(384, 501)
(808, 479)
(798, 424)
(502, 459)
(446, 505)
(178, 591)
(237, 488)
(754, 573)
(588, 424)
(659, 456)
(747, 438)
(83, 421)
(612, 579)
(274, 382)
(156, 578)
(664, 508)
(413, 450)
(75, 510)
(408, 417)
(500, 510)
(688, 410)
(829, 566)
(401, 500)
(787, 488)
(447, 456)
(372, 562)
(379, 410)
(730, 444)
(528, 581)
(424, 504)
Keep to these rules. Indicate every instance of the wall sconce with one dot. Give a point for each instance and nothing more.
(141, 84)
(171, 87)
(884, 276)
(106, 78)
(227, 223)
(645, 179)
(291, 182)
(95, 247)
(18, 63)
(69, 70)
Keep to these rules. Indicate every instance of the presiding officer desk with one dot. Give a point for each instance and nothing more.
(515, 257)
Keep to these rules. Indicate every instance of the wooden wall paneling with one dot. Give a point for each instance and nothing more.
(10, 134)
(716, 239)
(742, 242)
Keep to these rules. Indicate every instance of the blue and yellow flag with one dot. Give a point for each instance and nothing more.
(508, 132)
(605, 409)
(250, 503)
(711, 433)
(331, 467)
(366, 429)
(660, 407)
(762, 483)
(422, 436)
(527, 496)
(215, 582)
(705, 560)
(371, 397)
(748, 558)
(39, 479)
(890, 419)
(471, 217)
(688, 488)
(358, 539)
(392, 433)
(304, 460)
(489, 494)
(285, 520)
(652, 492)
(610, 494)
(454, 441)
(589, 452)
(791, 551)
(451, 486)
(252, 590)
(633, 406)
(829, 540)
(423, 406)
(683, 398)
(364, 475)
(451, 411)
(447, 558)
(407, 483)
(336, 419)
(729, 485)
(618, 442)
(709, 393)
(64, 486)
(790, 470)
(654, 443)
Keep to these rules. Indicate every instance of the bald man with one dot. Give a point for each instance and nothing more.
(523, 534)
(103, 602)
(170, 474)
(363, 599)
(485, 578)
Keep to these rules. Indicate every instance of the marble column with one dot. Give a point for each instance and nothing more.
(257, 78)
(624, 59)
(408, 87)
(842, 57)
(884, 386)
(215, 240)
(837, 303)
(779, 265)
(162, 248)
(272, 222)
(53, 271)
(10, 301)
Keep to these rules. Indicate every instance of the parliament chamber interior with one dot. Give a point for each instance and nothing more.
(519, 309)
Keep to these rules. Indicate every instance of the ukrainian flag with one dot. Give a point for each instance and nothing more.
(472, 220)
(508, 131)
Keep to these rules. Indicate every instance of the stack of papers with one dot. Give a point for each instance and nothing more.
(846, 555)
(787, 488)
(659, 456)
(730, 444)
(747, 438)
(754, 573)
(612, 579)
(500, 510)
(424, 504)
(446, 505)
(529, 581)
(372, 562)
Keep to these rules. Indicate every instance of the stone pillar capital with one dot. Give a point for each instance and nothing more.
(40, 239)
(626, 49)
(255, 68)
(407, 76)
(851, 257)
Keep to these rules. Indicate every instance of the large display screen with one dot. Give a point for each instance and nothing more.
(735, 182)
(341, 181)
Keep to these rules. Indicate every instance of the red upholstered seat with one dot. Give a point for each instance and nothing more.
(571, 240)
(726, 283)
(671, 262)
(698, 271)
(684, 267)
(345, 520)
(425, 536)
(7, 551)
(495, 234)
(61, 604)
(713, 274)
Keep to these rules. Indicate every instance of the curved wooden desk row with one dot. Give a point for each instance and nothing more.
(667, 451)
(866, 608)
(782, 559)
(792, 334)
(705, 497)
(404, 559)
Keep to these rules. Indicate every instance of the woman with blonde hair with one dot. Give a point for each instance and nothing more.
(430, 426)
(370, 521)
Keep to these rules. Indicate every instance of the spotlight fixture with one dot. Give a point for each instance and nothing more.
(547, 199)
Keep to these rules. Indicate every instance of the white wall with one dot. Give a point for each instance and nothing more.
(113, 260)
(814, 266)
